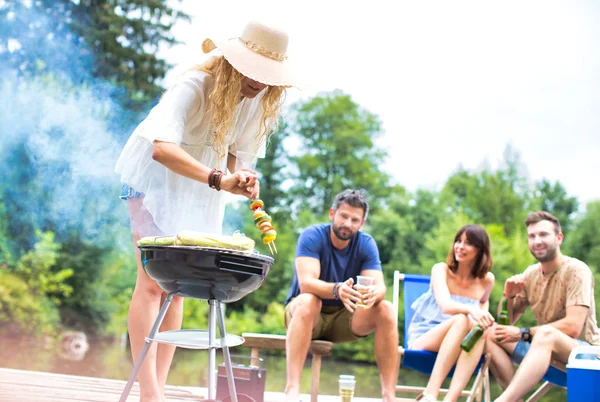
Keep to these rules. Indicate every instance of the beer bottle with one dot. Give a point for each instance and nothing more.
(503, 317)
(471, 338)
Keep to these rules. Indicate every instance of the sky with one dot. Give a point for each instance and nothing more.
(453, 82)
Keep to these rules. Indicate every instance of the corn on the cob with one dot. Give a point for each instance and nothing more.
(236, 242)
(157, 241)
(192, 238)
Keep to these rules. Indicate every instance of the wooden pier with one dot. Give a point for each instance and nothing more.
(36, 386)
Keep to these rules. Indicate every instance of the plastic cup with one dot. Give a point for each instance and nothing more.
(245, 160)
(364, 281)
(347, 384)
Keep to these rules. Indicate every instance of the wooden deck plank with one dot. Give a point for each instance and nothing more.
(36, 386)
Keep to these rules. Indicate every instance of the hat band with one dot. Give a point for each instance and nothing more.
(263, 51)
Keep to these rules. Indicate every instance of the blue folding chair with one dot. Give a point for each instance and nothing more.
(555, 376)
(422, 360)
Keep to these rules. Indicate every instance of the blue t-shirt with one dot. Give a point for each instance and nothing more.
(336, 265)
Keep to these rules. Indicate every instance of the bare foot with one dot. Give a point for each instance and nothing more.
(292, 394)
(153, 398)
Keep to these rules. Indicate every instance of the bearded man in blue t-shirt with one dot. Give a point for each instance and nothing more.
(325, 302)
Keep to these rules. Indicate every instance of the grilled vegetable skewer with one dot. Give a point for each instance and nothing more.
(262, 221)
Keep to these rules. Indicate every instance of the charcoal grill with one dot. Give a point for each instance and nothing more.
(212, 274)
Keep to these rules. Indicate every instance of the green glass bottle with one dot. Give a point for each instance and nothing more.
(503, 317)
(471, 338)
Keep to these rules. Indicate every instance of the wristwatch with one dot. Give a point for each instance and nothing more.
(526, 335)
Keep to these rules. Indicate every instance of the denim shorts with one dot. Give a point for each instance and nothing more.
(128, 192)
(523, 347)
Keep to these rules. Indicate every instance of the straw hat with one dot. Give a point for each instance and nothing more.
(259, 53)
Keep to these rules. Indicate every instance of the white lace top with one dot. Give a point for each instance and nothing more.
(176, 202)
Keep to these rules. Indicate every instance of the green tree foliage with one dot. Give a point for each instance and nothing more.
(441, 240)
(249, 320)
(476, 193)
(89, 305)
(402, 225)
(119, 272)
(338, 152)
(32, 290)
(584, 242)
(274, 171)
(24, 312)
(553, 197)
(391, 230)
(38, 268)
(6, 254)
(118, 39)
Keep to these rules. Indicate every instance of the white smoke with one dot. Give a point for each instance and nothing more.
(71, 154)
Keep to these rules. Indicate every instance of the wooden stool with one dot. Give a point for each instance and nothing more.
(277, 342)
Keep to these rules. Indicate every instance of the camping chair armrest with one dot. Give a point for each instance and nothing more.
(396, 294)
(558, 365)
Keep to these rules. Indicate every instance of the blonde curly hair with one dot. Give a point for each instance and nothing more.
(225, 97)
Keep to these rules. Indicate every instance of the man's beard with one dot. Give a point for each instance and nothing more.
(549, 256)
(342, 236)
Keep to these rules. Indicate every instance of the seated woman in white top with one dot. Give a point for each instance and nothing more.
(178, 159)
(457, 300)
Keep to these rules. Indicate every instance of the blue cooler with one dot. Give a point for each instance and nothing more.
(583, 374)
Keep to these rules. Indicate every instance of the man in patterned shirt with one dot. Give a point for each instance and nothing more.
(560, 292)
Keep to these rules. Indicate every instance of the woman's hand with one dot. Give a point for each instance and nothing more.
(243, 182)
(481, 317)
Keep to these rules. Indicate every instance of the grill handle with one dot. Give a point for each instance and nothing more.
(237, 264)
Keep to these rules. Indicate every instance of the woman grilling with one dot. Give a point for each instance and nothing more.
(457, 300)
(183, 154)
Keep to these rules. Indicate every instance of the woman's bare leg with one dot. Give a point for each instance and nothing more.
(444, 339)
(465, 366)
(143, 310)
(165, 354)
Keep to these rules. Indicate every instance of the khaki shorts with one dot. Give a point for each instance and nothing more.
(334, 324)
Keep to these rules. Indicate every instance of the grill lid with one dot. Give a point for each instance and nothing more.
(206, 272)
(219, 250)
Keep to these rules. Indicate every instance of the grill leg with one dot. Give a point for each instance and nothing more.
(226, 356)
(212, 349)
(146, 348)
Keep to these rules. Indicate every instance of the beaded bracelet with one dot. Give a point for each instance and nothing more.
(214, 179)
(336, 287)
